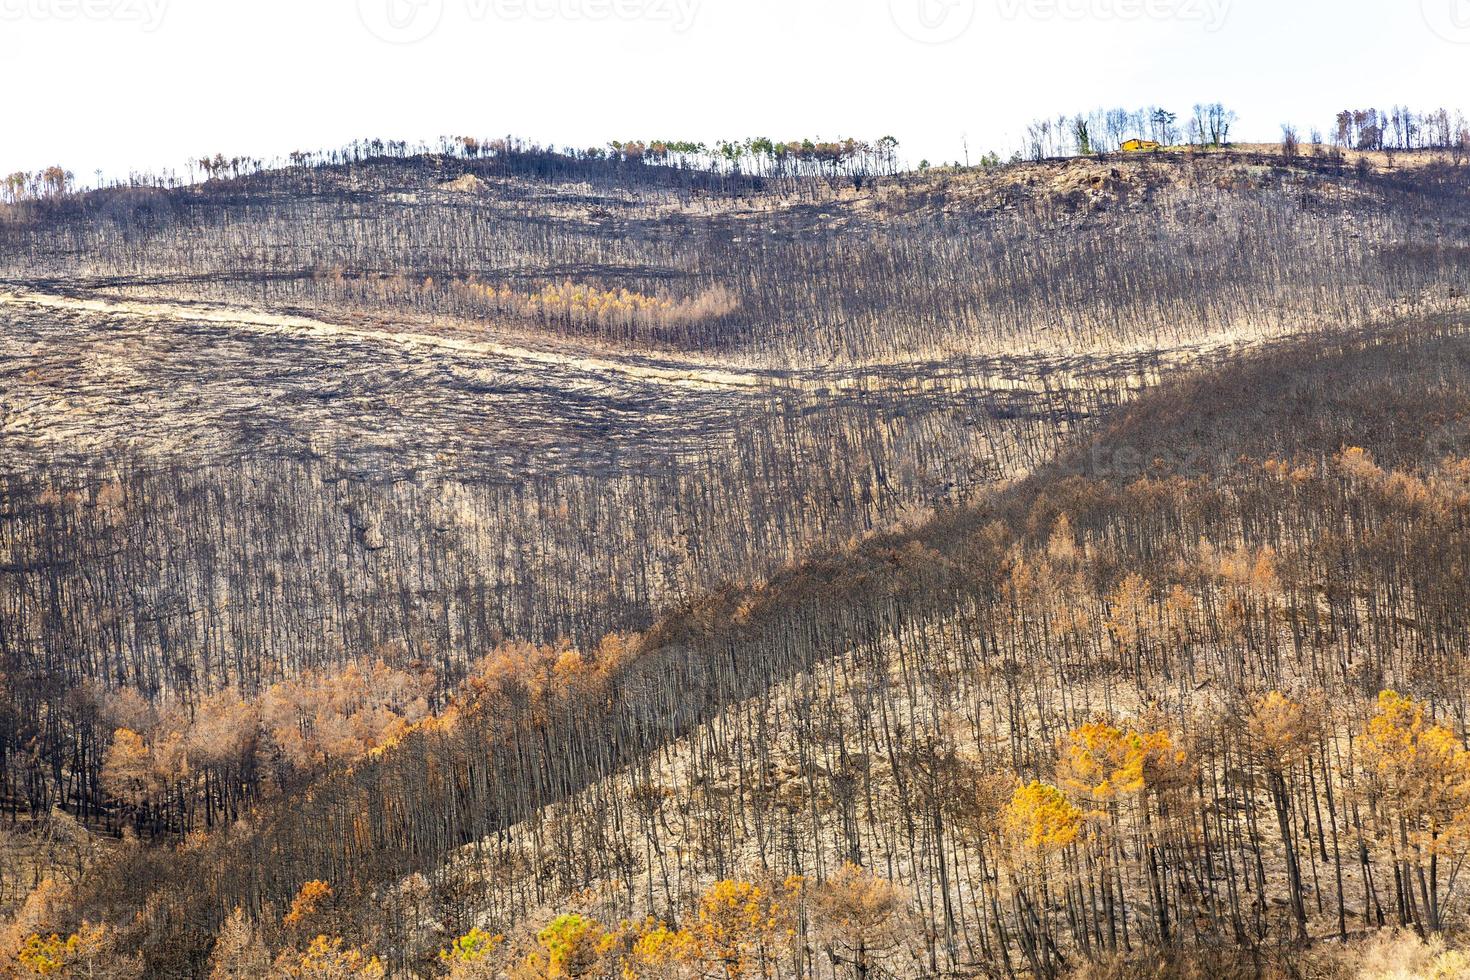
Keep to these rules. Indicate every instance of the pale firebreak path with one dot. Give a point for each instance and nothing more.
(1015, 371)
(254, 320)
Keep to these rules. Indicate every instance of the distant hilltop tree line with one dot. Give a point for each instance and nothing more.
(1377, 130)
(1106, 130)
(764, 156)
(756, 156)
(52, 182)
(1209, 125)
(1401, 128)
(1102, 130)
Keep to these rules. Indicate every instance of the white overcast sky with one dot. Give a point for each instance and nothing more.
(146, 84)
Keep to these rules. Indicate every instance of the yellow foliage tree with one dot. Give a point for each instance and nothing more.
(571, 945)
(326, 959)
(473, 956)
(1040, 819)
(1102, 763)
(661, 953)
(91, 952)
(1039, 823)
(742, 924)
(477, 944)
(1418, 778)
(307, 904)
(1099, 763)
